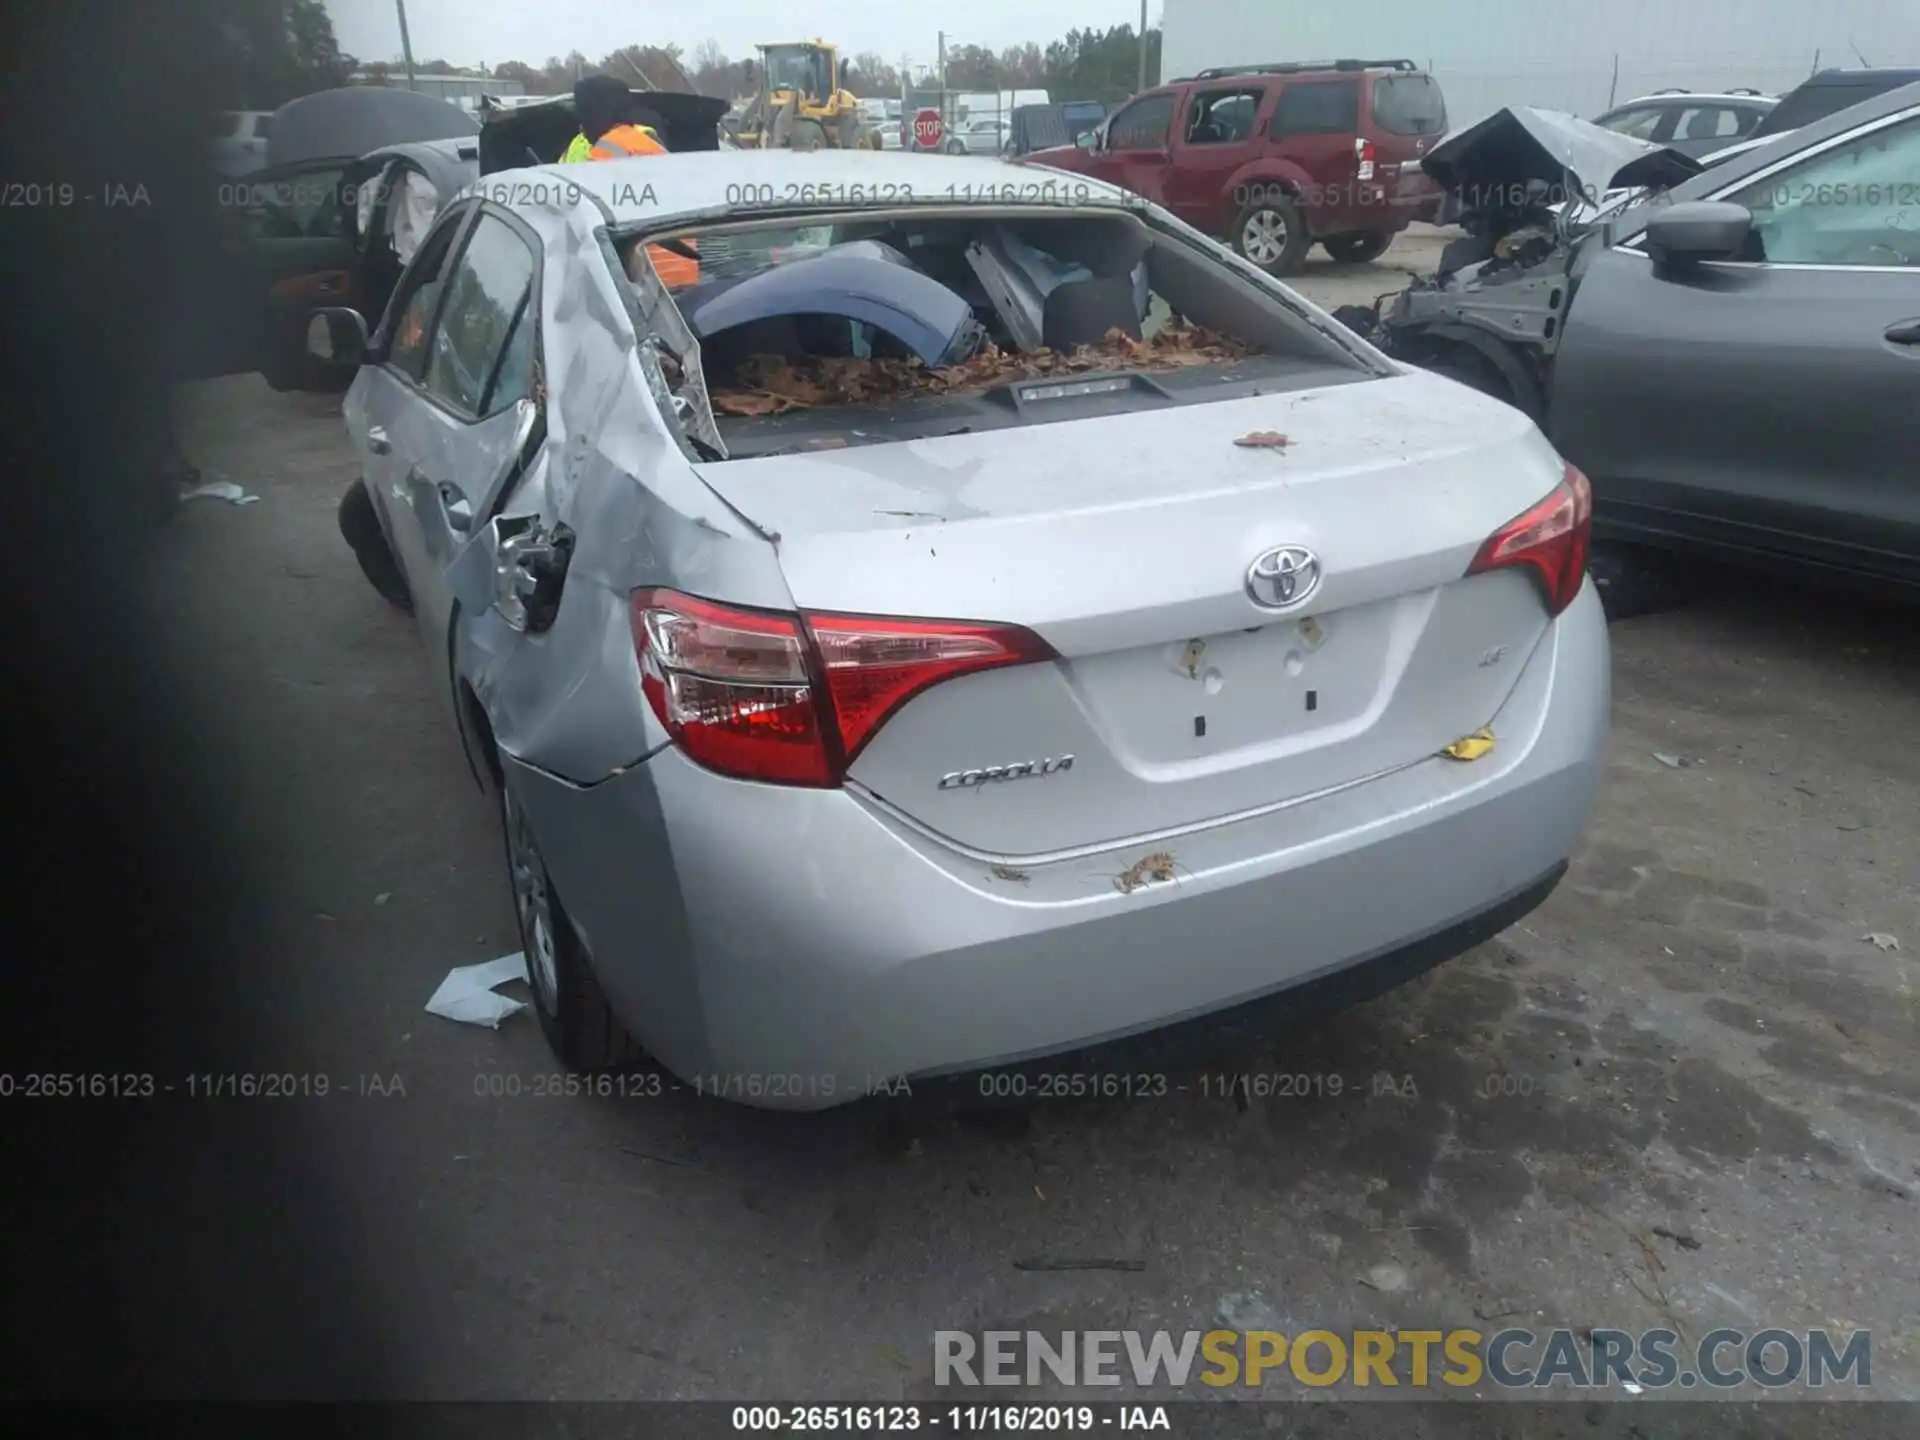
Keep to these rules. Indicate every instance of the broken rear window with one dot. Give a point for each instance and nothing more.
(879, 329)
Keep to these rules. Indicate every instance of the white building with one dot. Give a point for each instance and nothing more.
(1489, 53)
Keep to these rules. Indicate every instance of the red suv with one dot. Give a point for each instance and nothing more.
(1271, 158)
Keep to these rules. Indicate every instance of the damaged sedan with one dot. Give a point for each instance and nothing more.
(1732, 356)
(981, 623)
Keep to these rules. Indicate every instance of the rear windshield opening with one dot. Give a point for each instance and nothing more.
(1409, 105)
(886, 329)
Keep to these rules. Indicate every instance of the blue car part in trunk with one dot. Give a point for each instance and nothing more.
(864, 281)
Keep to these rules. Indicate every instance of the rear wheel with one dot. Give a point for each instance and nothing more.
(1358, 249)
(1270, 233)
(574, 1015)
(956, 147)
(360, 528)
(806, 135)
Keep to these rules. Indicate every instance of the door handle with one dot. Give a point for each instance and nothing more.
(1907, 332)
(377, 440)
(459, 511)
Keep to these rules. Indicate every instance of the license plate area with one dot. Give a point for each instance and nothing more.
(1285, 685)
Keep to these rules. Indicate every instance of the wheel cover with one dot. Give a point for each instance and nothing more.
(1263, 236)
(534, 905)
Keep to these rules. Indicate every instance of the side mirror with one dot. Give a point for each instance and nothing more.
(1087, 140)
(337, 337)
(1697, 230)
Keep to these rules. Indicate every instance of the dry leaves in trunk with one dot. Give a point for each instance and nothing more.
(772, 384)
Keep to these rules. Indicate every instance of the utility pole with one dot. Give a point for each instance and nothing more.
(406, 43)
(1142, 84)
(945, 118)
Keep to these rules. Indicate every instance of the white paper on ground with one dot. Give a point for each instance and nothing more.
(467, 994)
(222, 490)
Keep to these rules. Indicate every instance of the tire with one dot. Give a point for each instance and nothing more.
(1471, 369)
(1358, 249)
(806, 135)
(284, 367)
(1460, 362)
(956, 147)
(360, 528)
(580, 1026)
(1271, 233)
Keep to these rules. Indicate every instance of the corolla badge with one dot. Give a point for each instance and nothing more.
(995, 774)
(1283, 577)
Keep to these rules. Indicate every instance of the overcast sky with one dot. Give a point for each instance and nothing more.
(467, 32)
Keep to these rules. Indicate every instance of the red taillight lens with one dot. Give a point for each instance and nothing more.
(875, 665)
(1364, 155)
(741, 690)
(1550, 541)
(731, 687)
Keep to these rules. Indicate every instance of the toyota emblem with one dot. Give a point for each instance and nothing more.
(1283, 577)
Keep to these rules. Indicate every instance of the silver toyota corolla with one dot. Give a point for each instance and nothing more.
(976, 619)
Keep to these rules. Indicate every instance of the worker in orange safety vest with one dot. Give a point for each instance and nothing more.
(598, 101)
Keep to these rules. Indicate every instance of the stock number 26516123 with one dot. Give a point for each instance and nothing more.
(772, 197)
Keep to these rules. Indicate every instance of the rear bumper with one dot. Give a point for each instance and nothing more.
(799, 949)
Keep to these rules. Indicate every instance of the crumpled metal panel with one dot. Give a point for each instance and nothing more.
(1524, 142)
(614, 471)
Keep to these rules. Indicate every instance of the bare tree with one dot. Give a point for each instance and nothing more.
(713, 73)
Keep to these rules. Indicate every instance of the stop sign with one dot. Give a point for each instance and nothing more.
(926, 128)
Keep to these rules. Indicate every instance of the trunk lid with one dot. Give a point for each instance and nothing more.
(1126, 542)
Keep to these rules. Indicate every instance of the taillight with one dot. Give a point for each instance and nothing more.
(732, 687)
(792, 699)
(1550, 540)
(1364, 155)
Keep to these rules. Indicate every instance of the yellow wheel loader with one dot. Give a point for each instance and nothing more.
(800, 105)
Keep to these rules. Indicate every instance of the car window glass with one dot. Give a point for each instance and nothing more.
(484, 297)
(414, 300)
(1856, 204)
(1707, 122)
(1143, 125)
(301, 206)
(1640, 124)
(1745, 118)
(1409, 105)
(513, 372)
(1222, 117)
(1318, 107)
